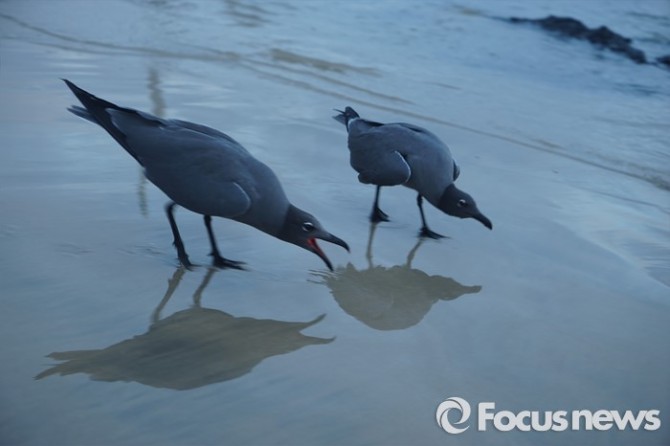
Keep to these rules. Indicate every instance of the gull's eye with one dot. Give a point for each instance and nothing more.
(308, 226)
(462, 203)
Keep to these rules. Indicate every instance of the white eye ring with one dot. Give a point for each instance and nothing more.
(461, 203)
(308, 226)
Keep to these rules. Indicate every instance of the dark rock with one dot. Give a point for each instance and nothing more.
(602, 36)
(607, 38)
(564, 25)
(664, 60)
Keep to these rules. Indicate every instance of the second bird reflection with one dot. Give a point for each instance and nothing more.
(190, 348)
(390, 298)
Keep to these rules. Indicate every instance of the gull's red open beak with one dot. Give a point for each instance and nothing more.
(314, 247)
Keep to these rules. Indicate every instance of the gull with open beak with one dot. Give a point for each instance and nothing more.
(206, 172)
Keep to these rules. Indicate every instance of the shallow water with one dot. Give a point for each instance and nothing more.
(564, 305)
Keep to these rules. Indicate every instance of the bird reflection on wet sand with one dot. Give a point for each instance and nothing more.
(390, 298)
(190, 348)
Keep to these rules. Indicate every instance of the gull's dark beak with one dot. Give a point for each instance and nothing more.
(327, 237)
(483, 220)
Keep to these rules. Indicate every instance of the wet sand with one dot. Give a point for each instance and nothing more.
(564, 305)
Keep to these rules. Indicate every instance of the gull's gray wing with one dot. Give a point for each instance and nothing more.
(457, 171)
(383, 167)
(376, 154)
(199, 168)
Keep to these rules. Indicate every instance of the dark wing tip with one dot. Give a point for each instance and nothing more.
(71, 85)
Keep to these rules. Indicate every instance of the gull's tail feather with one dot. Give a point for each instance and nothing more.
(82, 113)
(345, 116)
(97, 110)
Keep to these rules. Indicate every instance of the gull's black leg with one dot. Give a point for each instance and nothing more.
(219, 261)
(181, 252)
(377, 214)
(425, 230)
